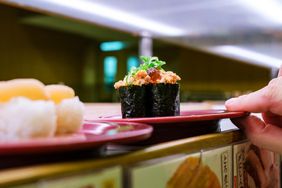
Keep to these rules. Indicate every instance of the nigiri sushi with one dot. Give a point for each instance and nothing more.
(29, 109)
(68, 107)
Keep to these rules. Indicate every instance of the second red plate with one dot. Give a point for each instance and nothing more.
(185, 116)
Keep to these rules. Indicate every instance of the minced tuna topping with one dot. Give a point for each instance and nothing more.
(149, 72)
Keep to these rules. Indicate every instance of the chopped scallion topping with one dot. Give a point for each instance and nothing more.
(148, 62)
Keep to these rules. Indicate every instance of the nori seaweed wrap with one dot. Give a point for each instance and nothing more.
(132, 100)
(162, 100)
(149, 90)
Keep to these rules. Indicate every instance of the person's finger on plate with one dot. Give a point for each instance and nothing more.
(253, 102)
(266, 99)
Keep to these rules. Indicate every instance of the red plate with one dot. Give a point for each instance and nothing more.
(92, 135)
(186, 116)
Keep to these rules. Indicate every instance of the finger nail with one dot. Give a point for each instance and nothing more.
(230, 101)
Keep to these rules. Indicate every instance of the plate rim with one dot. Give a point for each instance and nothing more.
(179, 119)
(32, 146)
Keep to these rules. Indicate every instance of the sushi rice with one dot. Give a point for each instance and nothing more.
(22, 118)
(69, 115)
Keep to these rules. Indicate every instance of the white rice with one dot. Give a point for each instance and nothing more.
(69, 116)
(23, 118)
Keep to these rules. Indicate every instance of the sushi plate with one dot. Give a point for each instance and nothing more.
(185, 116)
(92, 135)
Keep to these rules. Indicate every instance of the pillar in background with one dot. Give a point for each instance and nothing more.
(146, 44)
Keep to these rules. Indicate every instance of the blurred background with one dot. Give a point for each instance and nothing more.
(220, 48)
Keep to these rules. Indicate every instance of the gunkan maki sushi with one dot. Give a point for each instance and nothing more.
(163, 100)
(133, 98)
(149, 90)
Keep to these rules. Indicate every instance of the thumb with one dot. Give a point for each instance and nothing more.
(260, 134)
(257, 101)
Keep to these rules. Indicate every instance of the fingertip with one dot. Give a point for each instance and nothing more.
(231, 103)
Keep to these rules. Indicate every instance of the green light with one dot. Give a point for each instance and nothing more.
(110, 69)
(132, 61)
(112, 46)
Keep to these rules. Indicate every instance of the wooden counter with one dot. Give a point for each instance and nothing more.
(25, 175)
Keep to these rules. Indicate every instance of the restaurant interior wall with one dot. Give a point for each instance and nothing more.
(54, 56)
(34, 52)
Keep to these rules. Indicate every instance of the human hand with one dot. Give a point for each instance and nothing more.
(268, 101)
